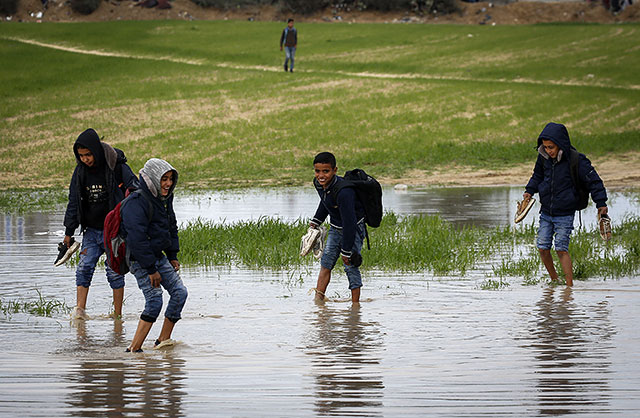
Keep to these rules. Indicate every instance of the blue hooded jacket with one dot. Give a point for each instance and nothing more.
(552, 180)
(148, 239)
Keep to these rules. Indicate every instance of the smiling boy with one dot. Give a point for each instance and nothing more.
(552, 179)
(347, 231)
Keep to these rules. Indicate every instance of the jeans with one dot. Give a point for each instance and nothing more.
(92, 249)
(331, 254)
(289, 52)
(171, 281)
(560, 226)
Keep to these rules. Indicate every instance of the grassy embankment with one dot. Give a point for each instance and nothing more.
(436, 97)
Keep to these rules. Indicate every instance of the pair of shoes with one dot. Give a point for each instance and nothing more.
(318, 245)
(308, 240)
(523, 208)
(286, 68)
(166, 343)
(128, 350)
(604, 225)
(65, 253)
(79, 314)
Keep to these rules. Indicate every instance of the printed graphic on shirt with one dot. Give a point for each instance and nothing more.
(97, 193)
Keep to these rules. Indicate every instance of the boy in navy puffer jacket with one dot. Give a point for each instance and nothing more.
(552, 180)
(151, 232)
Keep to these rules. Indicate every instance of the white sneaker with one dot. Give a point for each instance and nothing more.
(604, 226)
(318, 245)
(308, 240)
(66, 253)
(523, 208)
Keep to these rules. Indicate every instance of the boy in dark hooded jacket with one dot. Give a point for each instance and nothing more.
(151, 233)
(552, 180)
(98, 184)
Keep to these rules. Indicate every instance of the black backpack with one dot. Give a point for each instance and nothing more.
(583, 191)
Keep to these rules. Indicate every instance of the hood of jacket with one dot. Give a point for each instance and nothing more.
(102, 153)
(152, 173)
(557, 133)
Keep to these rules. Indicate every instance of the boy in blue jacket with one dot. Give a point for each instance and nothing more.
(347, 226)
(552, 180)
(151, 233)
(98, 184)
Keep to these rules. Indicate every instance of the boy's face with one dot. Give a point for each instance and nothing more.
(166, 181)
(550, 147)
(86, 157)
(324, 173)
(290, 24)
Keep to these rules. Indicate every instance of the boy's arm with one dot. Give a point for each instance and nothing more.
(347, 208)
(71, 214)
(129, 180)
(590, 177)
(320, 216)
(536, 177)
(295, 36)
(136, 223)
(172, 252)
(282, 39)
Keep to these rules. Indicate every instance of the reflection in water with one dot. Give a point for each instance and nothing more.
(145, 386)
(572, 349)
(343, 348)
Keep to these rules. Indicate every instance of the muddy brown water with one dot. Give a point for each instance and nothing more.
(254, 344)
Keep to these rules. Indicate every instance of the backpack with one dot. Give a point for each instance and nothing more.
(583, 191)
(115, 245)
(368, 192)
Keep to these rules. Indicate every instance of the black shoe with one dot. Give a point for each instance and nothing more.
(291, 70)
(65, 253)
(286, 68)
(128, 350)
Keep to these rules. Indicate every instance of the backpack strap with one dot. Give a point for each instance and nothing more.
(574, 160)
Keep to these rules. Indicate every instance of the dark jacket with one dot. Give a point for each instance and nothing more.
(346, 213)
(118, 177)
(148, 239)
(289, 37)
(552, 177)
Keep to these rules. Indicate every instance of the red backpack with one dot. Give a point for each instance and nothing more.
(115, 245)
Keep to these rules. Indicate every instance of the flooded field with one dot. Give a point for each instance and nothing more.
(253, 343)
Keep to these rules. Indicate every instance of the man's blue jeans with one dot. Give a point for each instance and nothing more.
(92, 249)
(331, 254)
(290, 53)
(171, 281)
(559, 227)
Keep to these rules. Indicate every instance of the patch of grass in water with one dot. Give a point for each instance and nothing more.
(492, 284)
(21, 201)
(39, 307)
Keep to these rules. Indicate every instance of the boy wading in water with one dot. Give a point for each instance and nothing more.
(98, 184)
(289, 38)
(552, 180)
(151, 233)
(347, 230)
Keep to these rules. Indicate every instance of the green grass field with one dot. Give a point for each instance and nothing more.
(397, 100)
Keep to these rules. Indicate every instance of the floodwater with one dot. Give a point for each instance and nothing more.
(254, 344)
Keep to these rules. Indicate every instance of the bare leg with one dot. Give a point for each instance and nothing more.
(324, 277)
(141, 334)
(355, 295)
(81, 297)
(547, 260)
(118, 296)
(567, 266)
(167, 329)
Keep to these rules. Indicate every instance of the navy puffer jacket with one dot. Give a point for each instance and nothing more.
(146, 239)
(552, 180)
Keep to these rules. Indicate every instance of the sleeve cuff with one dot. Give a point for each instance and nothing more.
(69, 232)
(345, 253)
(316, 221)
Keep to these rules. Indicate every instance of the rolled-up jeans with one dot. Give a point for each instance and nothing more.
(555, 228)
(331, 254)
(171, 281)
(289, 52)
(92, 249)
